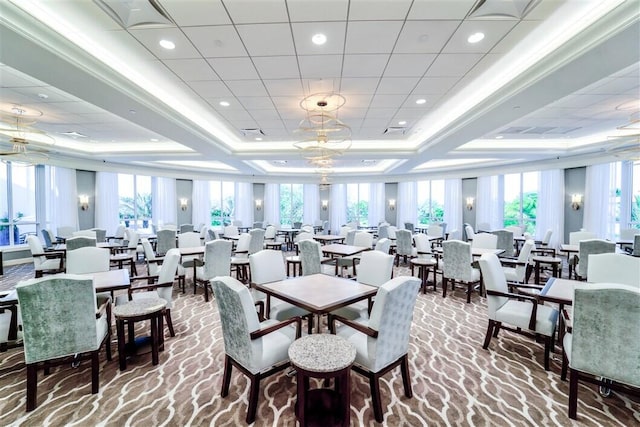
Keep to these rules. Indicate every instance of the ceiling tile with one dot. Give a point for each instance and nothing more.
(263, 114)
(334, 31)
(372, 36)
(210, 89)
(320, 66)
(367, 10)
(387, 101)
(425, 36)
(358, 85)
(450, 65)
(440, 9)
(515, 36)
(234, 68)
(408, 65)
(364, 65)
(397, 85)
(278, 42)
(494, 31)
(284, 87)
(247, 88)
(251, 11)
(216, 41)
(277, 67)
(358, 101)
(381, 113)
(196, 12)
(436, 85)
(256, 102)
(150, 37)
(191, 69)
(311, 10)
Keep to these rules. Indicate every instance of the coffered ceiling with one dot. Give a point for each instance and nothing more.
(549, 84)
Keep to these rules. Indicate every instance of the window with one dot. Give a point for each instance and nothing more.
(134, 192)
(635, 196)
(222, 202)
(18, 209)
(291, 201)
(358, 204)
(521, 200)
(430, 202)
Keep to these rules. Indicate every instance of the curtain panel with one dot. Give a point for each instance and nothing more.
(453, 204)
(550, 208)
(243, 203)
(271, 204)
(407, 203)
(107, 202)
(62, 206)
(201, 203)
(164, 201)
(338, 204)
(490, 203)
(311, 206)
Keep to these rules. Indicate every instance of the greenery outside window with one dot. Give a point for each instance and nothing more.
(358, 204)
(521, 200)
(222, 202)
(430, 199)
(134, 193)
(291, 203)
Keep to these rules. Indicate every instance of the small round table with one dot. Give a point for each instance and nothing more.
(424, 265)
(134, 311)
(323, 356)
(554, 262)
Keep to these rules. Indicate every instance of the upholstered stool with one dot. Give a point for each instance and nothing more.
(424, 265)
(323, 356)
(134, 311)
(540, 261)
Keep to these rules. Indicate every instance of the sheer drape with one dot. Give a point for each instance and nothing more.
(165, 203)
(311, 206)
(600, 200)
(550, 207)
(243, 202)
(201, 203)
(107, 202)
(453, 204)
(376, 203)
(338, 206)
(62, 209)
(626, 190)
(490, 202)
(271, 204)
(407, 203)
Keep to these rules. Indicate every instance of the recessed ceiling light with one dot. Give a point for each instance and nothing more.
(258, 139)
(475, 37)
(421, 101)
(402, 122)
(499, 137)
(167, 44)
(319, 39)
(43, 96)
(224, 103)
(154, 140)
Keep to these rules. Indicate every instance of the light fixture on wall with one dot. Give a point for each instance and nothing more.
(325, 205)
(258, 204)
(470, 201)
(576, 201)
(392, 204)
(84, 202)
(183, 204)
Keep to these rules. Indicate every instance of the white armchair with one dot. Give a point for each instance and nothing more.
(614, 268)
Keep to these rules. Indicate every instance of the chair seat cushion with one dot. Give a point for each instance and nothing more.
(518, 313)
(281, 310)
(49, 264)
(239, 261)
(360, 342)
(275, 347)
(358, 310)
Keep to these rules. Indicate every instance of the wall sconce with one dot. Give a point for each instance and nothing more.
(325, 205)
(392, 204)
(258, 204)
(576, 201)
(183, 204)
(84, 202)
(470, 201)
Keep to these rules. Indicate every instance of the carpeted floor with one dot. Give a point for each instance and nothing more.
(455, 382)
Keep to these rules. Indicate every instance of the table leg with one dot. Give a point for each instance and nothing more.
(161, 332)
(537, 277)
(345, 393)
(122, 357)
(154, 340)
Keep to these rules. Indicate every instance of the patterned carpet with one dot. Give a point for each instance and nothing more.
(455, 382)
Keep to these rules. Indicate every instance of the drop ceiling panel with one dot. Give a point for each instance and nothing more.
(196, 12)
(357, 101)
(278, 41)
(216, 41)
(364, 65)
(277, 67)
(381, 113)
(234, 68)
(210, 89)
(256, 102)
(320, 66)
(247, 88)
(440, 9)
(408, 65)
(367, 10)
(397, 85)
(387, 101)
(425, 36)
(191, 70)
(451, 65)
(435, 85)
(334, 31)
(284, 87)
(493, 31)
(251, 11)
(372, 36)
(516, 36)
(327, 10)
(262, 114)
(151, 37)
(349, 86)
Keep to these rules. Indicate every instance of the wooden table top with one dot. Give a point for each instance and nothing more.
(194, 250)
(343, 250)
(328, 238)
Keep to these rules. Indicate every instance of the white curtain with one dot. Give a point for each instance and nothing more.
(376, 203)
(165, 203)
(311, 205)
(271, 204)
(550, 207)
(600, 200)
(338, 206)
(453, 204)
(407, 203)
(626, 190)
(243, 203)
(107, 202)
(63, 198)
(489, 203)
(201, 203)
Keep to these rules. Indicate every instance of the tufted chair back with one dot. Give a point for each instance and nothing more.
(614, 268)
(485, 240)
(362, 238)
(383, 232)
(256, 243)
(375, 268)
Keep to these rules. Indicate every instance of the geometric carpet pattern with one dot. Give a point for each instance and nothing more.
(455, 382)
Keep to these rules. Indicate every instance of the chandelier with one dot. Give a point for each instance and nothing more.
(324, 136)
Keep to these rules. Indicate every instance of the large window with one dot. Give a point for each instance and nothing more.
(222, 202)
(430, 202)
(635, 196)
(521, 200)
(358, 204)
(18, 209)
(134, 192)
(291, 201)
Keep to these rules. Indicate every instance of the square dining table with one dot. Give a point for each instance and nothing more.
(317, 293)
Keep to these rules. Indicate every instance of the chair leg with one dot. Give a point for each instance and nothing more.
(95, 371)
(444, 286)
(496, 329)
(32, 386)
(565, 363)
(469, 290)
(253, 399)
(226, 376)
(406, 376)
(573, 394)
(547, 350)
(375, 397)
(487, 338)
(167, 316)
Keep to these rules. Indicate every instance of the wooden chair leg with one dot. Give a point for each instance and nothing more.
(32, 386)
(167, 316)
(375, 397)
(496, 329)
(565, 363)
(547, 350)
(253, 399)
(573, 394)
(95, 371)
(226, 376)
(406, 376)
(444, 286)
(487, 338)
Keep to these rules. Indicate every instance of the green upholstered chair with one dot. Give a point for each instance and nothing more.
(382, 340)
(604, 345)
(80, 242)
(457, 267)
(257, 349)
(586, 249)
(217, 262)
(60, 319)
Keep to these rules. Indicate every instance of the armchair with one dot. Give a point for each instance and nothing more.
(80, 242)
(603, 342)
(614, 268)
(60, 319)
(457, 267)
(382, 341)
(44, 263)
(504, 242)
(217, 262)
(506, 307)
(166, 241)
(586, 249)
(404, 246)
(257, 349)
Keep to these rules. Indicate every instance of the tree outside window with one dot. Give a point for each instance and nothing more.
(135, 198)
(430, 202)
(222, 203)
(358, 204)
(291, 203)
(521, 200)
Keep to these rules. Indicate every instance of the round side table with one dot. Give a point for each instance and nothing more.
(323, 356)
(424, 265)
(134, 311)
